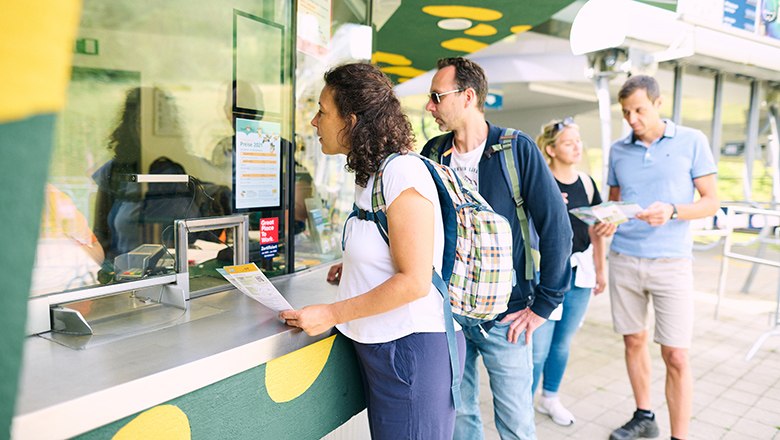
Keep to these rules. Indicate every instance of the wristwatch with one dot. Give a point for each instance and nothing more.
(674, 212)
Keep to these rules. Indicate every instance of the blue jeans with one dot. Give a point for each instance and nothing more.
(551, 341)
(509, 368)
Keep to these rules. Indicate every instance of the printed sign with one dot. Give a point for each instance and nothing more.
(269, 230)
(258, 164)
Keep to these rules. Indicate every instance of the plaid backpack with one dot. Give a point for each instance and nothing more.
(477, 268)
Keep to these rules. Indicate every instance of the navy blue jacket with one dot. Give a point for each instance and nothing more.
(544, 208)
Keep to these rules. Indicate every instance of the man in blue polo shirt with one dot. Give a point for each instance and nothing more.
(658, 166)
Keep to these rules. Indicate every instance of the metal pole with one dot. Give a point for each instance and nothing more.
(751, 137)
(677, 98)
(601, 82)
(774, 151)
(724, 262)
(716, 138)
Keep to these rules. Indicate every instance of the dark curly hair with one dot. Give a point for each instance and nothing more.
(381, 127)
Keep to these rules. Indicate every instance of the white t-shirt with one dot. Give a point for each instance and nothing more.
(367, 260)
(466, 165)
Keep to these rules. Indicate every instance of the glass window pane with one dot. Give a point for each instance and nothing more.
(324, 190)
(156, 95)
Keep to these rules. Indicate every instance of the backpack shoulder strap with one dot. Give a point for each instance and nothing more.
(380, 218)
(435, 152)
(588, 184)
(508, 143)
(378, 205)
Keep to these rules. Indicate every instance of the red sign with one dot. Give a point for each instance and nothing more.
(269, 230)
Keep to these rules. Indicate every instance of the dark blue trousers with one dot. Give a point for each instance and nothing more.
(407, 386)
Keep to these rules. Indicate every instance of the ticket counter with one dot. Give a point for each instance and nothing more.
(194, 111)
(236, 373)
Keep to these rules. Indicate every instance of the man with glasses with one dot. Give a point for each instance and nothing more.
(457, 101)
(659, 165)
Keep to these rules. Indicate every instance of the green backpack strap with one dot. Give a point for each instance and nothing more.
(438, 142)
(532, 257)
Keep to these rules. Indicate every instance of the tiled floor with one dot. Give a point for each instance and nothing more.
(733, 398)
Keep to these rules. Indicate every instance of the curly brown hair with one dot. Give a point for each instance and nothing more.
(381, 127)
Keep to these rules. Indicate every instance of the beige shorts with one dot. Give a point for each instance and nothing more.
(634, 281)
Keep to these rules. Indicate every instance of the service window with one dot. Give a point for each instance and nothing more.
(176, 109)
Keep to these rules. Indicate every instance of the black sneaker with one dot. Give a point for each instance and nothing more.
(638, 426)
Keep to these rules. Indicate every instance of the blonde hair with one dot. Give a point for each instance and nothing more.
(551, 131)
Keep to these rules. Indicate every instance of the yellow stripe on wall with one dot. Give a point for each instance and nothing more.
(36, 50)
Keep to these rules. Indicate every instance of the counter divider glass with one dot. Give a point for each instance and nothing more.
(131, 307)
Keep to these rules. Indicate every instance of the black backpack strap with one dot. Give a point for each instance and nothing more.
(361, 214)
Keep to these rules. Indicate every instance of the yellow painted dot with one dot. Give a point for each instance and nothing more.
(463, 45)
(164, 422)
(469, 12)
(390, 58)
(291, 375)
(481, 30)
(519, 28)
(410, 72)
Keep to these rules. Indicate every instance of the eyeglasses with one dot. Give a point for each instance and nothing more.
(436, 97)
(558, 126)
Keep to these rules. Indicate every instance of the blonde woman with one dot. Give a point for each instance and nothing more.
(561, 144)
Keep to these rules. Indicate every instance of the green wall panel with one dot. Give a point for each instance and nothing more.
(239, 407)
(25, 147)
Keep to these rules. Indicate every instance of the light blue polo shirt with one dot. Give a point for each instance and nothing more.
(664, 172)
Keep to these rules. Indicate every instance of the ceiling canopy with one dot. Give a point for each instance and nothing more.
(422, 31)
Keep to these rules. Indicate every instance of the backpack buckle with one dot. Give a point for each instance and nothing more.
(363, 214)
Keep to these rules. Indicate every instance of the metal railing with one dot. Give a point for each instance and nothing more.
(729, 253)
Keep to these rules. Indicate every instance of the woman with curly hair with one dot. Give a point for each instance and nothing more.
(386, 303)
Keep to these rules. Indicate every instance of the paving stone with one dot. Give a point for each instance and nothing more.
(699, 430)
(717, 417)
(756, 429)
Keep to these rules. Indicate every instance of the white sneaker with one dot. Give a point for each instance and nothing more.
(553, 407)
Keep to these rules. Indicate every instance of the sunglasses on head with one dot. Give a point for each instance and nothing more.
(436, 97)
(558, 126)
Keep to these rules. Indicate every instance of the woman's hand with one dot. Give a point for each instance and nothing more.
(334, 274)
(601, 281)
(314, 320)
(604, 229)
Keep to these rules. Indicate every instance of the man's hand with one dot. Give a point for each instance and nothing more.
(656, 214)
(604, 229)
(334, 274)
(522, 320)
(314, 320)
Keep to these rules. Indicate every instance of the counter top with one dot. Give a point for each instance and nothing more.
(58, 382)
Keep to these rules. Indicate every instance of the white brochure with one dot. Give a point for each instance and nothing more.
(248, 278)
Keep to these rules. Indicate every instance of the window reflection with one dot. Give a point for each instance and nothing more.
(324, 190)
(156, 99)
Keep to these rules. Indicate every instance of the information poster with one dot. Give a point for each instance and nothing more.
(740, 14)
(770, 24)
(258, 164)
(314, 18)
